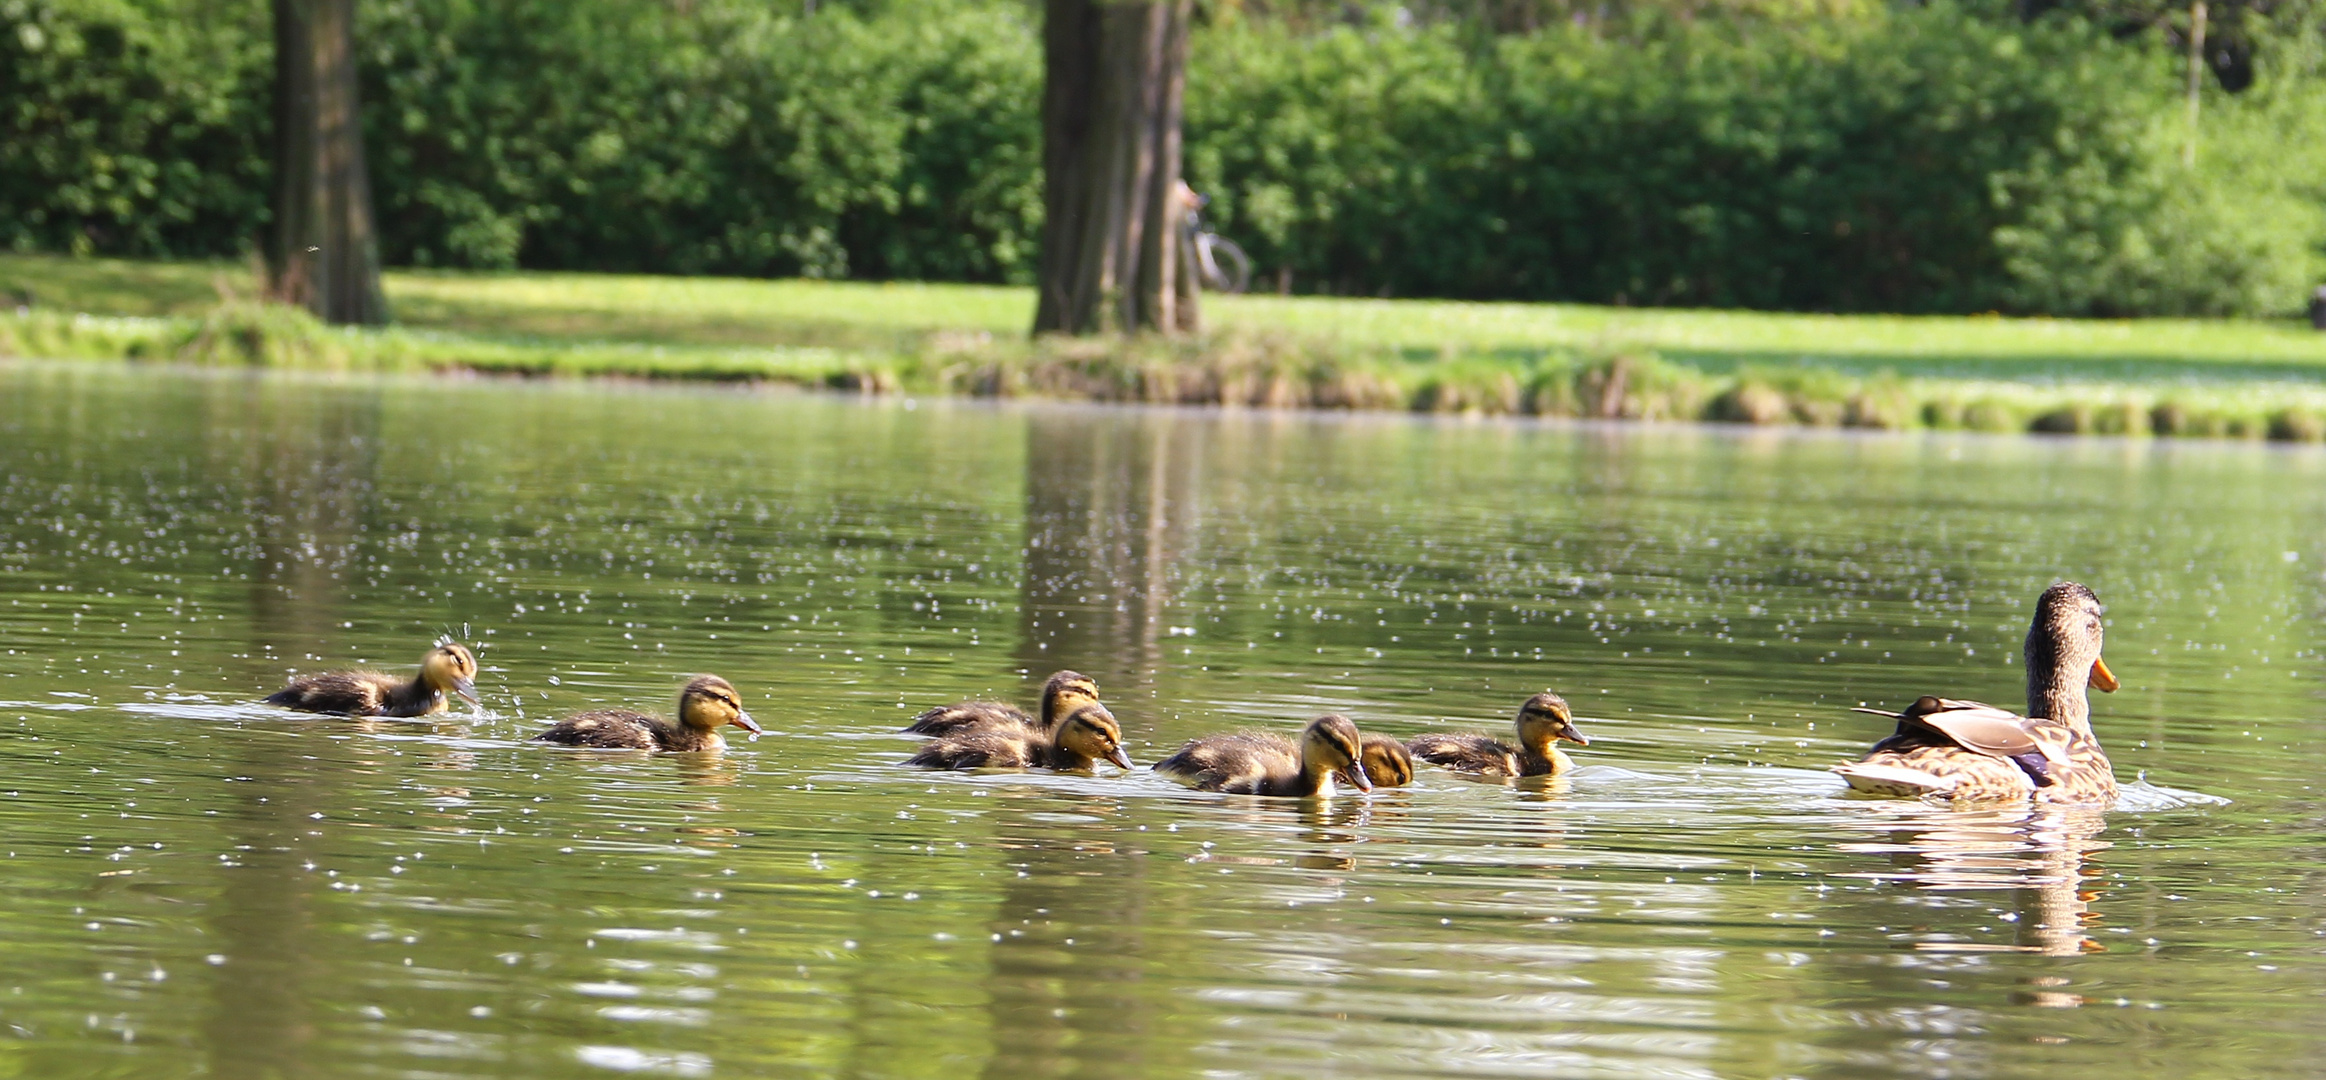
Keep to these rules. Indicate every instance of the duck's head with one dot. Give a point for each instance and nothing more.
(2063, 646)
(1385, 761)
(450, 668)
(1545, 719)
(1065, 692)
(1091, 732)
(1331, 744)
(709, 703)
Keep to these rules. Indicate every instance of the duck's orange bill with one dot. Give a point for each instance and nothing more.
(2103, 679)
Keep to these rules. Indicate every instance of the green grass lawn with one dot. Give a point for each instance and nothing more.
(2182, 376)
(736, 312)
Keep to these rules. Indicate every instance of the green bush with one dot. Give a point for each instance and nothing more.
(1919, 159)
(134, 129)
(721, 138)
(1915, 158)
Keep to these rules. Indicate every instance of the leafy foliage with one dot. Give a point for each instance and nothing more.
(1791, 154)
(136, 129)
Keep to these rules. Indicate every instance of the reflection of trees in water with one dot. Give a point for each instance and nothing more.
(1060, 1009)
(262, 1020)
(1110, 502)
(311, 478)
(2040, 853)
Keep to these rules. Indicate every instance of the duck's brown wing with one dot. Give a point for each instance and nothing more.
(348, 693)
(971, 716)
(1222, 762)
(982, 748)
(1964, 750)
(1466, 753)
(607, 729)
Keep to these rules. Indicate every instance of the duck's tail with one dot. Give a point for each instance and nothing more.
(1897, 780)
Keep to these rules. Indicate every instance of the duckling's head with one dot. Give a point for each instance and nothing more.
(2063, 647)
(1331, 741)
(1385, 761)
(449, 668)
(1065, 692)
(1545, 719)
(709, 703)
(1090, 732)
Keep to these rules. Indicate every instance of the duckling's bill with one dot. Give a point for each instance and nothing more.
(467, 689)
(743, 720)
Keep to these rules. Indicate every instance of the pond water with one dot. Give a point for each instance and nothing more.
(199, 885)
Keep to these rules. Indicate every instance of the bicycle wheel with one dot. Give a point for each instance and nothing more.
(1225, 267)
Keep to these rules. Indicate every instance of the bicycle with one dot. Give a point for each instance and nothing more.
(1220, 266)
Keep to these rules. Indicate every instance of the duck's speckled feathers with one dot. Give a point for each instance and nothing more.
(1480, 754)
(620, 729)
(358, 693)
(992, 747)
(1971, 752)
(1227, 762)
(973, 715)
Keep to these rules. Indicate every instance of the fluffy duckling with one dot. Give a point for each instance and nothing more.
(1542, 722)
(1086, 735)
(1969, 752)
(1061, 695)
(707, 704)
(448, 668)
(1384, 759)
(1248, 763)
(1386, 762)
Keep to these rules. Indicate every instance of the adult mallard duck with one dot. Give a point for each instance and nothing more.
(1542, 722)
(707, 704)
(1062, 694)
(1969, 752)
(1249, 763)
(1086, 736)
(448, 668)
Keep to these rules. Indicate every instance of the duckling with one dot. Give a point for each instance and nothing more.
(1969, 752)
(1062, 694)
(1384, 759)
(1386, 762)
(707, 704)
(1249, 763)
(447, 667)
(1087, 734)
(1542, 722)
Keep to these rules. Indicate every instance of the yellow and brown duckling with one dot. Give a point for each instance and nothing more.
(1250, 763)
(449, 668)
(1087, 735)
(707, 704)
(1061, 695)
(1385, 760)
(1542, 723)
(1968, 752)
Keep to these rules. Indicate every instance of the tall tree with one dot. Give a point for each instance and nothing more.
(324, 253)
(1116, 72)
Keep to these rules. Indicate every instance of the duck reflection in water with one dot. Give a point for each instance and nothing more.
(2041, 853)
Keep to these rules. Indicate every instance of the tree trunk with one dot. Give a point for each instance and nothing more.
(1116, 75)
(323, 254)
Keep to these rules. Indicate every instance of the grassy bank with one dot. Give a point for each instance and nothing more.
(2176, 377)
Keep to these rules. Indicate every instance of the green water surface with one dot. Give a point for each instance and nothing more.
(197, 885)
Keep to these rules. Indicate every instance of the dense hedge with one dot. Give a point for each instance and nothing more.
(1919, 160)
(1916, 159)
